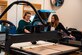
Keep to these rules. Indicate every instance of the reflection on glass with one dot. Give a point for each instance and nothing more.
(56, 3)
(59, 2)
(32, 17)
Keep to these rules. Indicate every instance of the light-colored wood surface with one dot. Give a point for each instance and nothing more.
(29, 9)
(43, 51)
(63, 48)
(44, 48)
(25, 45)
(3, 5)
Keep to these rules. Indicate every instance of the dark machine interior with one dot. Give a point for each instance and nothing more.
(44, 15)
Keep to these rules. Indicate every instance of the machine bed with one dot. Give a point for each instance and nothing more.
(45, 48)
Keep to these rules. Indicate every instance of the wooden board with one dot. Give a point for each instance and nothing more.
(43, 51)
(45, 48)
(29, 9)
(29, 44)
(3, 5)
(63, 48)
